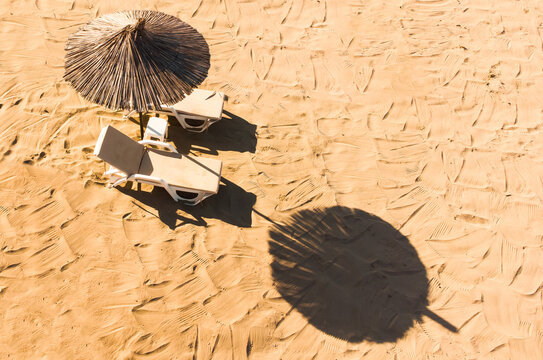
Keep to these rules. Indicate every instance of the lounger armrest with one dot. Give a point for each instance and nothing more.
(158, 143)
(112, 170)
(155, 179)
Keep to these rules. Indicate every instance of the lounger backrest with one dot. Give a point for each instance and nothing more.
(119, 150)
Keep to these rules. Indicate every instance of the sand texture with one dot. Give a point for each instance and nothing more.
(382, 194)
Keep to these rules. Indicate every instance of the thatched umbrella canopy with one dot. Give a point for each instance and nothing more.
(136, 60)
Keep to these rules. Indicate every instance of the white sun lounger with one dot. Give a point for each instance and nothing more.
(197, 111)
(186, 178)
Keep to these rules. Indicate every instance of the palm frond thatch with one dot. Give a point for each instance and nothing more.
(136, 60)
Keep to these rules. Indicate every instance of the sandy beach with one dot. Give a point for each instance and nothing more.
(382, 192)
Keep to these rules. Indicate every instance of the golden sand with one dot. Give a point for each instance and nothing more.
(382, 195)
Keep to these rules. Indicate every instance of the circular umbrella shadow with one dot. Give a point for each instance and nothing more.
(351, 274)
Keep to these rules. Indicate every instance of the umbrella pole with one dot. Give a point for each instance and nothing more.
(141, 132)
(141, 127)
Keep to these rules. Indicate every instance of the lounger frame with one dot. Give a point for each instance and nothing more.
(182, 117)
(118, 177)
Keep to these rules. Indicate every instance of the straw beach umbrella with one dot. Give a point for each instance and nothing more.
(136, 60)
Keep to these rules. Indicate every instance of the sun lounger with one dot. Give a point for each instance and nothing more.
(186, 178)
(197, 111)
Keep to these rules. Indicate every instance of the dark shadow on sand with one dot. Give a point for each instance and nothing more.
(350, 274)
(231, 204)
(231, 133)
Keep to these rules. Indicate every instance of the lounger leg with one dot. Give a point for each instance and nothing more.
(120, 181)
(114, 177)
(170, 191)
(174, 196)
(181, 120)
